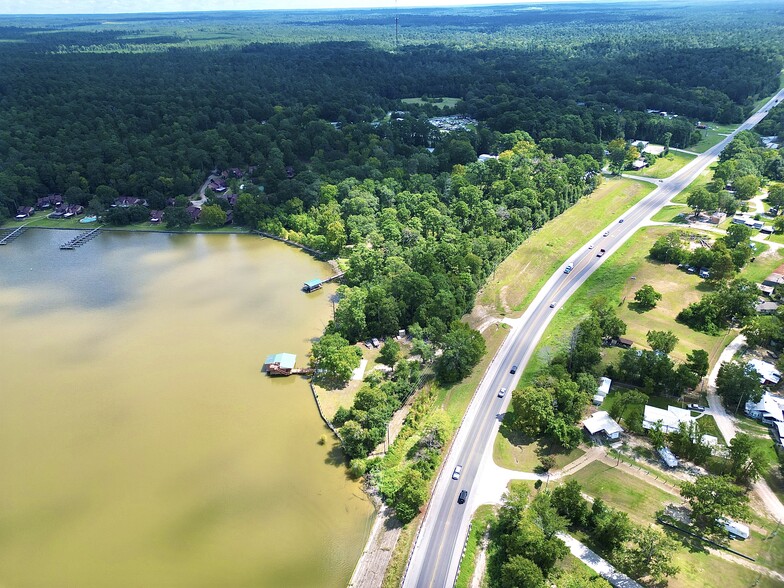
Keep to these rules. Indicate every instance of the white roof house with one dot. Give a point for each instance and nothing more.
(600, 422)
(769, 409)
(767, 371)
(670, 419)
(602, 390)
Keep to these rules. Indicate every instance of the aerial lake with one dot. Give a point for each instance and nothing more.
(139, 443)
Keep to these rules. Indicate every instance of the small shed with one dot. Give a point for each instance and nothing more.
(602, 390)
(312, 285)
(279, 364)
(601, 422)
(626, 343)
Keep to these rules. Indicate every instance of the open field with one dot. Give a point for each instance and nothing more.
(713, 135)
(331, 400)
(666, 166)
(614, 281)
(625, 492)
(520, 276)
(441, 102)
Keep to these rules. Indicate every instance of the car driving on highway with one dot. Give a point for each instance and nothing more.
(502, 393)
(462, 498)
(457, 472)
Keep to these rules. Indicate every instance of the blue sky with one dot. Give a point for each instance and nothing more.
(124, 6)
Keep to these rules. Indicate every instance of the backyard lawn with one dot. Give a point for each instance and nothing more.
(514, 451)
(672, 214)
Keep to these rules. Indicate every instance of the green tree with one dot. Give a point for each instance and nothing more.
(212, 215)
(177, 218)
(776, 196)
(463, 347)
(350, 320)
(748, 459)
(737, 383)
(570, 503)
(520, 571)
(390, 352)
(533, 410)
(712, 498)
(649, 554)
(737, 235)
(646, 297)
(697, 362)
(610, 527)
(663, 341)
(354, 438)
(617, 150)
(761, 330)
(746, 186)
(584, 352)
(700, 199)
(335, 357)
(410, 496)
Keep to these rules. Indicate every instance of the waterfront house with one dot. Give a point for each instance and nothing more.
(194, 212)
(156, 216)
(279, 364)
(24, 212)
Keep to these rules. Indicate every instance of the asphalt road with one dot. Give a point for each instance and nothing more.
(436, 554)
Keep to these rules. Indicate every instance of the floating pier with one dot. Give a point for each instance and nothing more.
(81, 239)
(10, 237)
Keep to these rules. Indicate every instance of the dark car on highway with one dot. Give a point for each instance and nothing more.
(462, 498)
(513, 370)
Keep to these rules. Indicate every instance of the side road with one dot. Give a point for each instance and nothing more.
(727, 427)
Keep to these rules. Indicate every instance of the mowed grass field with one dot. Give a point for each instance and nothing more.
(673, 213)
(701, 180)
(666, 166)
(520, 276)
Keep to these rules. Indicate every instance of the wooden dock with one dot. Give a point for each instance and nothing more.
(9, 237)
(81, 239)
(337, 276)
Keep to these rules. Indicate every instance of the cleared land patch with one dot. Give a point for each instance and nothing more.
(666, 166)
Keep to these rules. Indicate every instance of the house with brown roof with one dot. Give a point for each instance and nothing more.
(24, 212)
(194, 212)
(156, 216)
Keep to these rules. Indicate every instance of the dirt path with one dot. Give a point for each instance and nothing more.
(380, 546)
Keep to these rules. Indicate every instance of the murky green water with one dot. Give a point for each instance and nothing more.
(139, 444)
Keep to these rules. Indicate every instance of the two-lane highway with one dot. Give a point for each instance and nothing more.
(436, 552)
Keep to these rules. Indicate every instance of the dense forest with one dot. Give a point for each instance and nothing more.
(149, 108)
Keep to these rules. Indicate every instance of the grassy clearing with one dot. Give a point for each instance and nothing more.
(441, 102)
(73, 223)
(672, 214)
(765, 261)
(627, 493)
(703, 569)
(713, 135)
(515, 451)
(666, 166)
(613, 280)
(481, 520)
(517, 280)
